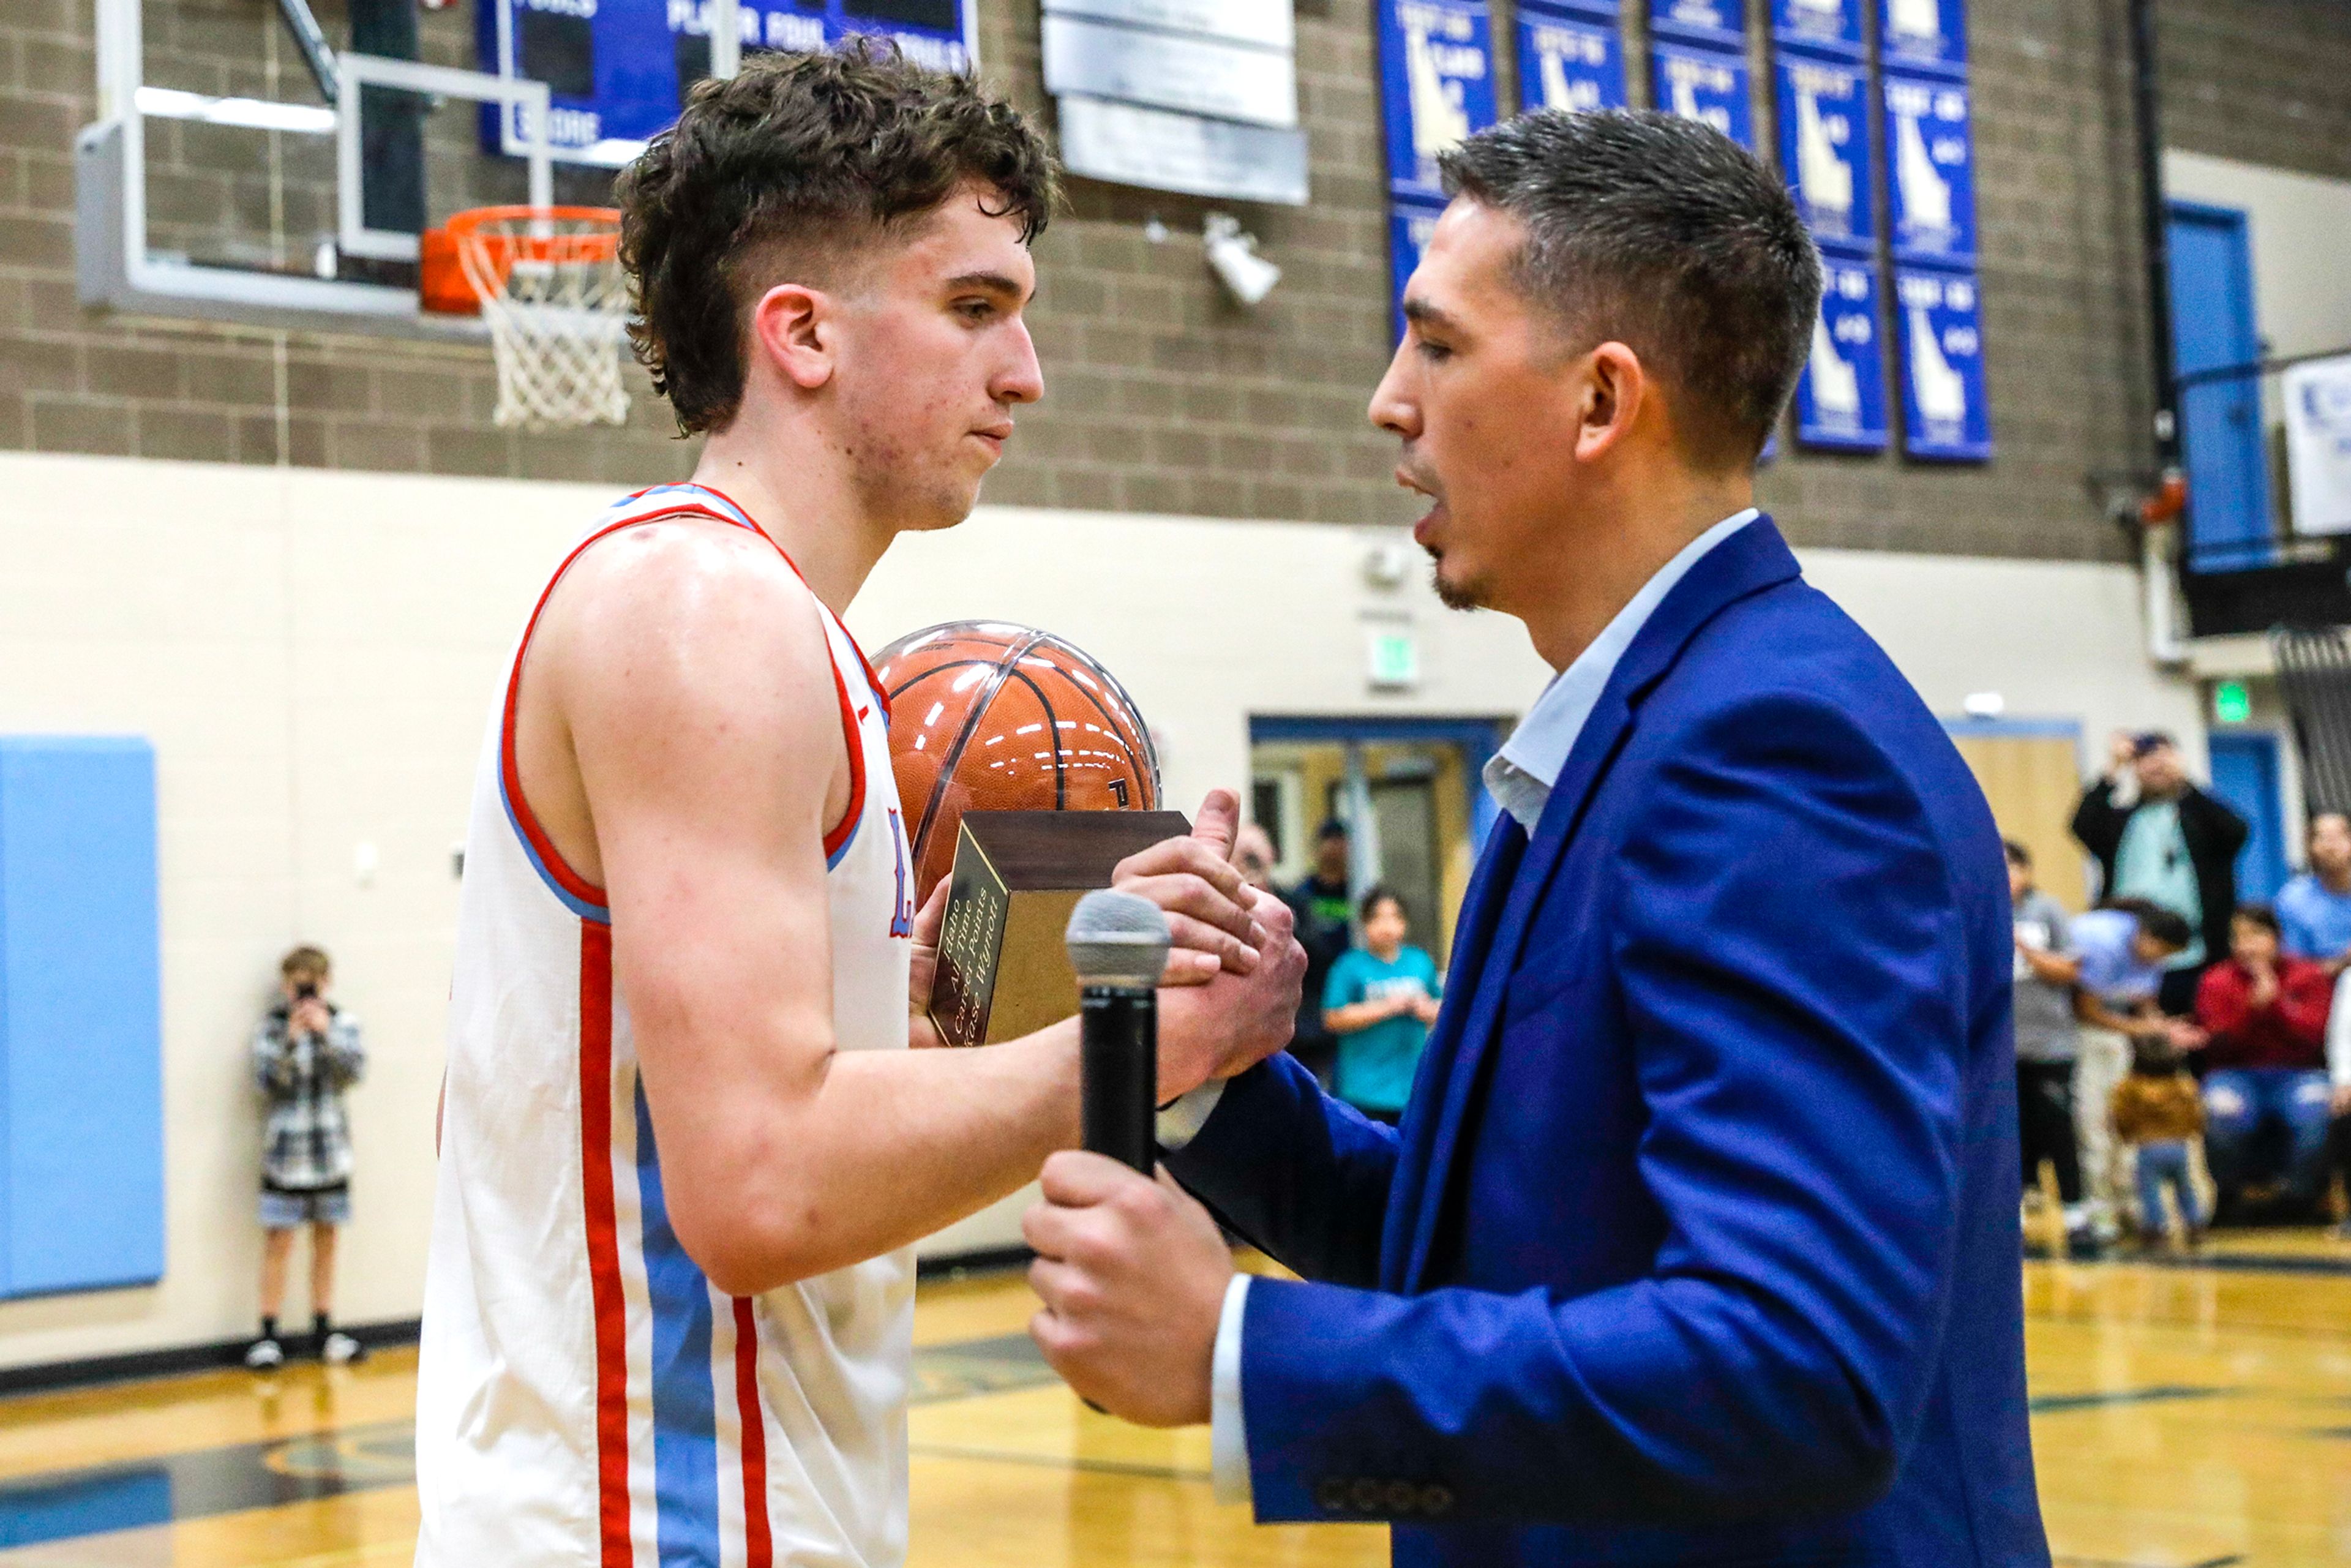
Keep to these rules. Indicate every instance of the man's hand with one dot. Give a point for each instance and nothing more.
(1234, 1022)
(1132, 1274)
(2122, 752)
(1207, 903)
(922, 1034)
(2265, 984)
(310, 1017)
(1426, 1008)
(2342, 1099)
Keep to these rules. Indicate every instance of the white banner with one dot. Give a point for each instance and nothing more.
(1266, 23)
(1161, 151)
(1192, 75)
(2318, 445)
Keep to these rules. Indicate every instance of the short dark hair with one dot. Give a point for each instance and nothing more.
(1379, 894)
(2018, 855)
(2260, 915)
(1332, 828)
(800, 154)
(2166, 927)
(306, 963)
(1665, 234)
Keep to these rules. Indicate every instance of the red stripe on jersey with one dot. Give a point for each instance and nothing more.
(510, 769)
(603, 1244)
(856, 739)
(758, 1543)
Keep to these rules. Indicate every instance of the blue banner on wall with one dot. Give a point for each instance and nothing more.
(617, 70)
(1824, 146)
(1841, 395)
(1569, 63)
(1719, 22)
(1410, 226)
(1436, 85)
(1930, 164)
(1705, 85)
(1831, 25)
(1946, 412)
(1923, 35)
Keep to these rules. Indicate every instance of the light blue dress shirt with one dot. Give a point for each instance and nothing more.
(1520, 777)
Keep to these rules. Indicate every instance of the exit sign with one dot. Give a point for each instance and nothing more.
(2231, 703)
(1394, 658)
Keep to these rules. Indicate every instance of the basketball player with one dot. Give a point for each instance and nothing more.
(686, 1151)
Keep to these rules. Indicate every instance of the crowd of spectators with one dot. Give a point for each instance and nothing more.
(2172, 1026)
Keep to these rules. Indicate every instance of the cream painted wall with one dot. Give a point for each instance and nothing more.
(2301, 230)
(314, 655)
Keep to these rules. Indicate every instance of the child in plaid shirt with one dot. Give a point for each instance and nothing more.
(306, 1052)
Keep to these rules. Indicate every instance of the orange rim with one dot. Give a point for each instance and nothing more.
(465, 228)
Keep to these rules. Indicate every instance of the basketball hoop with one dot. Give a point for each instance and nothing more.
(548, 280)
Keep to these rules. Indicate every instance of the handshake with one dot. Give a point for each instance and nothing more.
(1229, 991)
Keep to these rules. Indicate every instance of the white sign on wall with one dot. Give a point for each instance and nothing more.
(2318, 445)
(1194, 96)
(1127, 144)
(1235, 21)
(1165, 70)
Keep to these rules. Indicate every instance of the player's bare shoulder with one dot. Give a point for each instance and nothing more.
(669, 653)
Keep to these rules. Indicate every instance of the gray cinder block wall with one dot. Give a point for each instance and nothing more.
(1162, 397)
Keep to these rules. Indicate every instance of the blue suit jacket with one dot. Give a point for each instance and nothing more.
(1699, 1243)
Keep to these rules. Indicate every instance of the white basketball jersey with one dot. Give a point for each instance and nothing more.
(585, 1396)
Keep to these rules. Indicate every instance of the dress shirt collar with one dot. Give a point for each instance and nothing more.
(1522, 774)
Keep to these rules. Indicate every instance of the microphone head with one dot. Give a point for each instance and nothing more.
(1117, 939)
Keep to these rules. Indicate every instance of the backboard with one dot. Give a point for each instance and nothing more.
(246, 169)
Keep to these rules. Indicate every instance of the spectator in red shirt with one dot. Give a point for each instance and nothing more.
(2264, 1018)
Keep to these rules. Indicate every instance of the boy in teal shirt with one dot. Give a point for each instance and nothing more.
(1380, 999)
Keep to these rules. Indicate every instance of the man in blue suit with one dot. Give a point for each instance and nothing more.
(1698, 1242)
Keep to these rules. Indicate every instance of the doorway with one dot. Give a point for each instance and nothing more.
(2245, 776)
(2222, 429)
(1410, 792)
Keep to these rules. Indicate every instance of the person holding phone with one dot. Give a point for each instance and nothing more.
(306, 1052)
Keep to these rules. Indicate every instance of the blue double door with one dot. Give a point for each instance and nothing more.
(2230, 524)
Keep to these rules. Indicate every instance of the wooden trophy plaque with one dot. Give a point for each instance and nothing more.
(1003, 971)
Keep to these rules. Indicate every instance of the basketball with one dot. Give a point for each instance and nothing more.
(989, 717)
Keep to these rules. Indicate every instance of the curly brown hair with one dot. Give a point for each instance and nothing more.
(800, 161)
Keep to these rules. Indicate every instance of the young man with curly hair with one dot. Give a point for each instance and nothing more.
(686, 1151)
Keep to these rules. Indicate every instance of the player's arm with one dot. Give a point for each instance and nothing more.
(702, 719)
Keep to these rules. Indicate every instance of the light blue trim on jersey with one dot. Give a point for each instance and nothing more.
(833, 862)
(686, 1401)
(569, 900)
(706, 495)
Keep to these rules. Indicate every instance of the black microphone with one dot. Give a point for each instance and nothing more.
(1118, 946)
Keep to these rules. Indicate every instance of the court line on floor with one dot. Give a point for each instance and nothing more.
(2057, 1404)
(1059, 1462)
(2233, 1561)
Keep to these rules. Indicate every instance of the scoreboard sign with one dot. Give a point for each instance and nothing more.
(618, 70)
(1565, 62)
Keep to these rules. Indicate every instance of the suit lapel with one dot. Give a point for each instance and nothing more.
(1752, 559)
(1473, 940)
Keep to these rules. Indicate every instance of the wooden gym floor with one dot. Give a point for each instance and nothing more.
(2187, 1416)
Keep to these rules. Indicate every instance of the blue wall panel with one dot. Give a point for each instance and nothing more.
(81, 1092)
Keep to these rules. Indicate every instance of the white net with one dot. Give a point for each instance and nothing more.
(556, 305)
